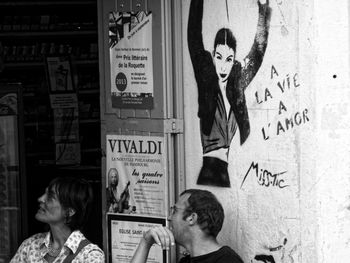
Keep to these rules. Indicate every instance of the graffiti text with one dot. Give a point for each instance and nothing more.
(265, 177)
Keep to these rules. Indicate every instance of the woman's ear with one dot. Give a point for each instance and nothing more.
(192, 219)
(71, 212)
(68, 216)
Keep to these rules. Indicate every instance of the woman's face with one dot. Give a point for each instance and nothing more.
(50, 209)
(224, 57)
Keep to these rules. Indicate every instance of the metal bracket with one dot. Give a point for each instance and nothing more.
(173, 126)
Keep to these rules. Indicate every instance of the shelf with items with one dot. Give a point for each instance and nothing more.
(28, 35)
(40, 64)
(51, 16)
(38, 139)
(89, 91)
(40, 3)
(47, 123)
(40, 146)
(45, 34)
(33, 53)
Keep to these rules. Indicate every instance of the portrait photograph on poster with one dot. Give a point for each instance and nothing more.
(125, 233)
(136, 180)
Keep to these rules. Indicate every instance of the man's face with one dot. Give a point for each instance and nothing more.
(224, 57)
(114, 178)
(176, 222)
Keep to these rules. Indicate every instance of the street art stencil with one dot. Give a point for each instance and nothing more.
(248, 112)
(221, 82)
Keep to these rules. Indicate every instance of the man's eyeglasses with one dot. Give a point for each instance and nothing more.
(174, 209)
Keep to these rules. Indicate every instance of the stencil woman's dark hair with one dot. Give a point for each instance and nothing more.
(225, 37)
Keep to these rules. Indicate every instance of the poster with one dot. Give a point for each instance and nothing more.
(130, 45)
(66, 124)
(66, 135)
(66, 100)
(64, 103)
(60, 74)
(125, 233)
(68, 153)
(136, 175)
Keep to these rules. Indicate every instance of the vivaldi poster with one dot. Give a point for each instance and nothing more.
(136, 175)
(130, 45)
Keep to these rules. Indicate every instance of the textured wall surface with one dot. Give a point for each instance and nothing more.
(333, 184)
(290, 187)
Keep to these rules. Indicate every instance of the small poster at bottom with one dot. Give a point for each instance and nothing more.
(125, 233)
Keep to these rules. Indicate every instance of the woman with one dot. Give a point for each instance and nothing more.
(64, 207)
(221, 82)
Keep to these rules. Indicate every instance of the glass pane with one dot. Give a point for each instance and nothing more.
(9, 177)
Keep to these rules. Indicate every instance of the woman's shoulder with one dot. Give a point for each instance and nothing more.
(36, 237)
(93, 253)
(90, 249)
(92, 246)
(33, 242)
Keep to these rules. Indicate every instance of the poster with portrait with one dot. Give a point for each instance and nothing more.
(131, 62)
(136, 175)
(124, 235)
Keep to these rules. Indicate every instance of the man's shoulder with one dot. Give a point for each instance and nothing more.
(223, 255)
(230, 255)
(185, 259)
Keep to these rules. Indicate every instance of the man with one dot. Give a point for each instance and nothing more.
(195, 221)
(111, 191)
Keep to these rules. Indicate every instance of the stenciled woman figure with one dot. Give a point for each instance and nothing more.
(221, 82)
(65, 208)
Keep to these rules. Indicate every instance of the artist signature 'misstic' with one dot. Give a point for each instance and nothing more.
(265, 178)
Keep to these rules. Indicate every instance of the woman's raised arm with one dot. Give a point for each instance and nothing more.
(253, 60)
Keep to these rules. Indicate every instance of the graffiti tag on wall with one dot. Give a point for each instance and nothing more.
(265, 177)
(288, 121)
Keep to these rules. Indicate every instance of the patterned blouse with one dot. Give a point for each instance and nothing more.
(34, 249)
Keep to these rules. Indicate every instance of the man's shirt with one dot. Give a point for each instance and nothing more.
(223, 255)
